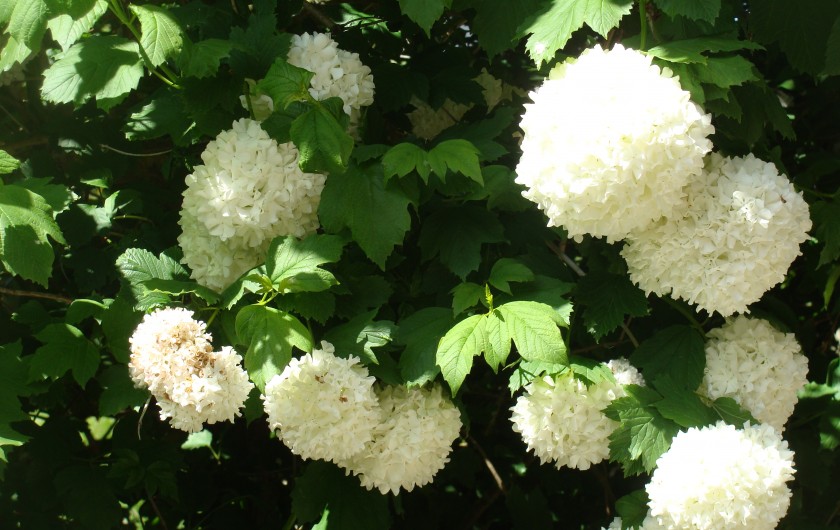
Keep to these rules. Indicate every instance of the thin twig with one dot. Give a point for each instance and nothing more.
(490, 467)
(36, 294)
(157, 510)
(126, 153)
(315, 13)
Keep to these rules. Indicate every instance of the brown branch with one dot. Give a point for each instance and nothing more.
(490, 467)
(36, 294)
(315, 13)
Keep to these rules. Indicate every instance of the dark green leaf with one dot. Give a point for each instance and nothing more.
(119, 392)
(632, 509)
(642, 436)
(286, 83)
(832, 53)
(826, 215)
(420, 333)
(424, 12)
(201, 59)
(360, 335)
(323, 142)
(608, 300)
(732, 413)
(293, 265)
(64, 348)
(404, 158)
(678, 351)
(496, 28)
(459, 156)
(706, 10)
(725, 72)
(681, 405)
(692, 50)
(181, 287)
(164, 114)
(88, 497)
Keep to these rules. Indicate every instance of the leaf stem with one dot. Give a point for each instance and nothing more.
(686, 313)
(643, 17)
(35, 294)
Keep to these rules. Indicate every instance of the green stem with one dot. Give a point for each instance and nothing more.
(686, 313)
(643, 17)
(289, 522)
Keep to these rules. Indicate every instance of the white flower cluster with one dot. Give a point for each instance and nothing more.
(171, 355)
(248, 191)
(759, 367)
(411, 444)
(560, 419)
(735, 240)
(625, 373)
(261, 104)
(324, 407)
(722, 478)
(610, 141)
(649, 523)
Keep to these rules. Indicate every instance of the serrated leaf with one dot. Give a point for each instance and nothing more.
(285, 83)
(360, 335)
(119, 392)
(632, 509)
(271, 336)
(706, 10)
(318, 306)
(198, 440)
(604, 15)
(498, 341)
(681, 405)
(496, 28)
(466, 339)
(456, 234)
(25, 222)
(322, 141)
(293, 265)
(404, 158)
(731, 412)
(533, 327)
(725, 72)
(642, 436)
(466, 295)
(424, 12)
(161, 34)
(14, 52)
(67, 29)
(590, 371)
(459, 156)
(163, 114)
(508, 270)
(202, 58)
(826, 215)
(28, 22)
(8, 163)
(57, 196)
(180, 288)
(103, 67)
(678, 351)
(376, 215)
(608, 300)
(692, 50)
(420, 333)
(137, 266)
(64, 348)
(88, 496)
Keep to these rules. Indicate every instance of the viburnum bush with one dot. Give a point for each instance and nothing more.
(419, 264)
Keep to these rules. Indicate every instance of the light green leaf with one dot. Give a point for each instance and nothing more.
(360, 335)
(65, 348)
(28, 22)
(285, 83)
(706, 10)
(67, 29)
(642, 436)
(604, 15)
(57, 196)
(692, 50)
(8, 163)
(292, 264)
(103, 67)
(138, 266)
(424, 12)
(404, 158)
(322, 141)
(457, 348)
(508, 270)
(198, 440)
(376, 215)
(271, 336)
(459, 156)
(608, 299)
(498, 341)
(725, 72)
(533, 327)
(678, 351)
(161, 34)
(25, 222)
(465, 296)
(15, 52)
(175, 288)
(201, 59)
(681, 405)
(420, 333)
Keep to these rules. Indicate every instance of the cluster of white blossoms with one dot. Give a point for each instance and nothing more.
(171, 355)
(324, 407)
(248, 191)
(625, 373)
(649, 523)
(261, 104)
(560, 419)
(610, 142)
(722, 478)
(736, 238)
(411, 443)
(759, 367)
(427, 122)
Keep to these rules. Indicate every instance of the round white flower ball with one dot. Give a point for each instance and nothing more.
(323, 406)
(625, 373)
(649, 523)
(722, 478)
(736, 239)
(171, 355)
(610, 141)
(759, 367)
(560, 420)
(411, 443)
(338, 73)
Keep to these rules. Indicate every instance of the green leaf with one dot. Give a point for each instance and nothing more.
(678, 351)
(424, 12)
(25, 222)
(28, 22)
(608, 300)
(691, 50)
(64, 348)
(103, 67)
(706, 10)
(420, 334)
(465, 296)
(681, 405)
(318, 306)
(67, 29)
(286, 83)
(360, 335)
(138, 266)
(832, 52)
(404, 158)
(198, 440)
(498, 341)
(725, 72)
(826, 215)
(13, 53)
(13, 383)
(642, 436)
(551, 291)
(496, 28)
(56, 195)
(119, 392)
(533, 327)
(74, 8)
(161, 34)
(201, 59)
(175, 288)
(88, 497)
(8, 163)
(376, 215)
(271, 336)
(323, 143)
(325, 487)
(731, 412)
(604, 15)
(632, 509)
(508, 270)
(459, 156)
(467, 339)
(590, 371)
(293, 265)
(456, 233)
(163, 114)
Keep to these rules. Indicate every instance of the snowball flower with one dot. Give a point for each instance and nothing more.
(610, 141)
(261, 104)
(761, 368)
(411, 443)
(248, 191)
(649, 523)
(560, 420)
(171, 355)
(736, 239)
(322, 406)
(722, 478)
(625, 373)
